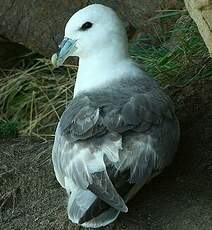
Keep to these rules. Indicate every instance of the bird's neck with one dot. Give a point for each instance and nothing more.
(100, 69)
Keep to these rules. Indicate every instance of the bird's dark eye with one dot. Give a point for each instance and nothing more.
(86, 26)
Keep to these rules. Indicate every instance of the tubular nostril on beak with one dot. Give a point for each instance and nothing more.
(62, 44)
(66, 48)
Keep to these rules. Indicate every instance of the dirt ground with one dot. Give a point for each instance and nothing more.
(179, 199)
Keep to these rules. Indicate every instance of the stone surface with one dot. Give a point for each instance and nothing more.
(39, 24)
(201, 12)
(10, 54)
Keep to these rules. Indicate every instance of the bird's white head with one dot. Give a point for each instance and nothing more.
(91, 31)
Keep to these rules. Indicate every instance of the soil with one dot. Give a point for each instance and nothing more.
(179, 199)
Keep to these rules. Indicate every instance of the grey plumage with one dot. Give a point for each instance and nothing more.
(126, 128)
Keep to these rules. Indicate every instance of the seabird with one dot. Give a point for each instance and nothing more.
(119, 130)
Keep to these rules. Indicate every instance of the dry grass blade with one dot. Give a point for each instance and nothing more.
(36, 97)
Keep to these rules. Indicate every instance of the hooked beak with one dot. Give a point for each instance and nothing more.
(66, 49)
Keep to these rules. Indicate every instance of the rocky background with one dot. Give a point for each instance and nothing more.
(201, 12)
(39, 25)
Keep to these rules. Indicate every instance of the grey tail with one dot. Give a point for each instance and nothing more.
(122, 186)
(89, 210)
(86, 209)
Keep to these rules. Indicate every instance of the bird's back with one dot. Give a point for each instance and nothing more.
(109, 140)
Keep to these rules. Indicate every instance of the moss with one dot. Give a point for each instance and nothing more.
(8, 129)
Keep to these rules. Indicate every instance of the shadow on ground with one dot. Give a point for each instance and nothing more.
(179, 199)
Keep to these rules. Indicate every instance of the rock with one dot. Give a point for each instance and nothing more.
(201, 12)
(10, 54)
(39, 24)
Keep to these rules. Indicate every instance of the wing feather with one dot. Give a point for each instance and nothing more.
(91, 129)
(104, 189)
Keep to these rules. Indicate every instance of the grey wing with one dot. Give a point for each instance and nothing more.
(140, 112)
(150, 133)
(81, 120)
(138, 125)
(103, 188)
(82, 165)
(147, 154)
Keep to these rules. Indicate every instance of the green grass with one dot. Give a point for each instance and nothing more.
(34, 96)
(183, 58)
(8, 129)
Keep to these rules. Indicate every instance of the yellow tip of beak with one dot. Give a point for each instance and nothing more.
(54, 60)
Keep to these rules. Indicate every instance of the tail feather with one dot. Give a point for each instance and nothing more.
(86, 209)
(102, 220)
(79, 202)
(97, 208)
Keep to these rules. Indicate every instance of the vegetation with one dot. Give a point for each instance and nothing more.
(34, 96)
(179, 60)
(8, 129)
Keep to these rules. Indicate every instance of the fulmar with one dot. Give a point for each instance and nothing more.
(119, 130)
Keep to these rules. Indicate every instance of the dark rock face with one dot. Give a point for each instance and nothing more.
(10, 54)
(39, 24)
